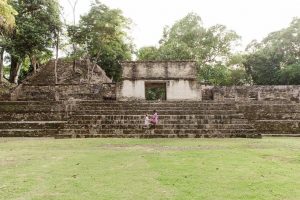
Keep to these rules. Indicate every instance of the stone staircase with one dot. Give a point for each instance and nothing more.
(31, 118)
(274, 118)
(176, 119)
(90, 118)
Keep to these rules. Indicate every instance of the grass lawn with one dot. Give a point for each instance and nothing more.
(212, 169)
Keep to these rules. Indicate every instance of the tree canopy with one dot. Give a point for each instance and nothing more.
(188, 39)
(101, 35)
(37, 23)
(31, 28)
(7, 16)
(276, 60)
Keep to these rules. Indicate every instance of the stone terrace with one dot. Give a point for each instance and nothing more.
(123, 119)
(88, 118)
(176, 119)
(274, 118)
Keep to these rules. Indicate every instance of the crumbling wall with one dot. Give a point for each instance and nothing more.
(86, 82)
(273, 110)
(259, 93)
(159, 70)
(60, 92)
(5, 90)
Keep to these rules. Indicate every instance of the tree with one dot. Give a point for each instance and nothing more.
(7, 16)
(238, 74)
(276, 59)
(188, 39)
(31, 37)
(102, 35)
(73, 5)
(184, 40)
(7, 24)
(147, 53)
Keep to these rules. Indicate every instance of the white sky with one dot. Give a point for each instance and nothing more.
(251, 19)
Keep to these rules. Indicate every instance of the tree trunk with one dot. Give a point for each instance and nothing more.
(33, 63)
(1, 65)
(56, 58)
(14, 70)
(88, 62)
(92, 72)
(94, 65)
(74, 64)
(74, 58)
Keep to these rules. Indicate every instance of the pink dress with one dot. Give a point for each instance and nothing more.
(154, 119)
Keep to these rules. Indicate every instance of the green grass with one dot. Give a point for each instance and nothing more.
(212, 169)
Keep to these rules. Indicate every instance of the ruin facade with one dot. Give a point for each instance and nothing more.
(177, 78)
(77, 107)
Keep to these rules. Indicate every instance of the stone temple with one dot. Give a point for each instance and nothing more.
(177, 78)
(86, 103)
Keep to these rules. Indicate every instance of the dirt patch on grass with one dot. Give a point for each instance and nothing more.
(150, 147)
(11, 139)
(277, 158)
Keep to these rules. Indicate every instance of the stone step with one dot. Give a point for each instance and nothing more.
(272, 109)
(111, 103)
(24, 111)
(277, 125)
(281, 135)
(160, 112)
(152, 107)
(273, 116)
(28, 132)
(155, 131)
(31, 103)
(163, 121)
(198, 135)
(267, 102)
(40, 116)
(61, 108)
(277, 132)
(32, 124)
(161, 117)
(159, 126)
(224, 135)
(31, 108)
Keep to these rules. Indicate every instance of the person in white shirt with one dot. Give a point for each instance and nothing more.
(147, 121)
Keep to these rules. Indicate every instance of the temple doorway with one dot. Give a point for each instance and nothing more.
(155, 91)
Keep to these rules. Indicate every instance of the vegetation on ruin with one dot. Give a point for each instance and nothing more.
(212, 169)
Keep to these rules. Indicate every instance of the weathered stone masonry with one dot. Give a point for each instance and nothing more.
(179, 77)
(75, 108)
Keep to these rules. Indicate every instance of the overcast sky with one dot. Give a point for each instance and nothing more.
(251, 19)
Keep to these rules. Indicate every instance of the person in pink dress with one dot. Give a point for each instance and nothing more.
(154, 119)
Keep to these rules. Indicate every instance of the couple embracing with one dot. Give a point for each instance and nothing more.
(151, 120)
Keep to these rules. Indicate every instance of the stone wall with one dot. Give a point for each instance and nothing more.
(176, 90)
(183, 90)
(273, 110)
(131, 90)
(178, 76)
(248, 93)
(60, 92)
(79, 84)
(159, 70)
